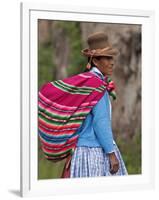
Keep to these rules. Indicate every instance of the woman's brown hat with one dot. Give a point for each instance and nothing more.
(99, 46)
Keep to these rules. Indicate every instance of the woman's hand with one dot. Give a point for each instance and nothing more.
(114, 163)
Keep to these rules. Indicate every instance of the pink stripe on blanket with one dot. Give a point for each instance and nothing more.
(66, 101)
(57, 127)
(57, 145)
(53, 105)
(54, 150)
(49, 102)
(92, 81)
(51, 132)
(74, 117)
(63, 113)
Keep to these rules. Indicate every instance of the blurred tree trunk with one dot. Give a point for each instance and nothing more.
(44, 31)
(50, 31)
(61, 48)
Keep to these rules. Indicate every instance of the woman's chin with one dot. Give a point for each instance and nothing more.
(110, 73)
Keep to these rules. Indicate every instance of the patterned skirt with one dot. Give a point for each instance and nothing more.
(92, 161)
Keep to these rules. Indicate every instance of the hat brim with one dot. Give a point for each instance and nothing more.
(108, 51)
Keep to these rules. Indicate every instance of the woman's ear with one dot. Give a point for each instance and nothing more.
(95, 61)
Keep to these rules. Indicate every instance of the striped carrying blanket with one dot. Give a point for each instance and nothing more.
(62, 107)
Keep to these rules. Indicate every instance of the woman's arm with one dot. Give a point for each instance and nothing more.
(102, 123)
(103, 130)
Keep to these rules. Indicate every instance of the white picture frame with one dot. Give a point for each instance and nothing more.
(30, 185)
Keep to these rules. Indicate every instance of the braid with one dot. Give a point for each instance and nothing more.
(92, 64)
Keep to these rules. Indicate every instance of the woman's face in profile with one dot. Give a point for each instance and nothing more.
(105, 64)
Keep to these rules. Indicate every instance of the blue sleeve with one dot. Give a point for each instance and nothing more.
(102, 123)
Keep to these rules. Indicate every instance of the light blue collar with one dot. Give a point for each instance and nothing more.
(98, 72)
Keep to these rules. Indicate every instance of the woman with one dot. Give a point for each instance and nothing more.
(96, 153)
(75, 117)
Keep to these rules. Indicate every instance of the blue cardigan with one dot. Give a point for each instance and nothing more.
(96, 129)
